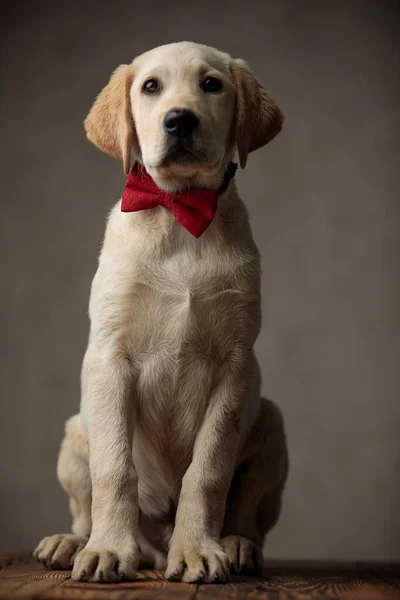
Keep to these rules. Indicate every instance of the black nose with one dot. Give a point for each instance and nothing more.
(180, 122)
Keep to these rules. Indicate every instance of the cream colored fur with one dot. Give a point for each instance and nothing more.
(171, 416)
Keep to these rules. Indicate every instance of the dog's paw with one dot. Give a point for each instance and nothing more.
(243, 554)
(95, 565)
(59, 551)
(203, 563)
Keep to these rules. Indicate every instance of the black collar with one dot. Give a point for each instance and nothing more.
(228, 175)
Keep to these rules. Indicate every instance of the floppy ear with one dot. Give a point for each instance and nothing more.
(109, 124)
(258, 118)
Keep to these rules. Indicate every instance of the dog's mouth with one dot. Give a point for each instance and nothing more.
(183, 163)
(182, 153)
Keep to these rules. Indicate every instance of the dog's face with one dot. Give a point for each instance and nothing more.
(183, 106)
(182, 109)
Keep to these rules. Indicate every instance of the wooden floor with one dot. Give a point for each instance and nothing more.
(23, 578)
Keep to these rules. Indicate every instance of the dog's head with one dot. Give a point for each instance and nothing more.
(183, 109)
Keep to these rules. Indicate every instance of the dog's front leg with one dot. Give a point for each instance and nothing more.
(195, 553)
(111, 553)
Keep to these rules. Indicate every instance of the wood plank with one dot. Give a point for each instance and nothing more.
(22, 578)
(388, 573)
(149, 585)
(24, 581)
(346, 581)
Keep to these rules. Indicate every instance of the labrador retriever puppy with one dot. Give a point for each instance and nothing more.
(174, 460)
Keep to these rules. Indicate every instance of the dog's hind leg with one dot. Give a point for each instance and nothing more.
(59, 551)
(254, 498)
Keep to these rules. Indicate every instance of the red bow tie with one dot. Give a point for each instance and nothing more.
(193, 209)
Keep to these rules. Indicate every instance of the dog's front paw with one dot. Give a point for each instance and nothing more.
(59, 551)
(243, 554)
(102, 565)
(197, 562)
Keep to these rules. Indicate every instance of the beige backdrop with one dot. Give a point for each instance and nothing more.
(323, 199)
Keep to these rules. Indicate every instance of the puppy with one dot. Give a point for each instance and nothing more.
(174, 460)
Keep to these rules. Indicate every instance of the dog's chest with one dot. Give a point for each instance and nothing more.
(186, 310)
(181, 303)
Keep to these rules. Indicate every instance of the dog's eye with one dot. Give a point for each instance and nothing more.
(151, 86)
(211, 84)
